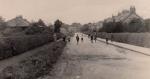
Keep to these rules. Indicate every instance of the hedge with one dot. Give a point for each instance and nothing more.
(36, 65)
(14, 45)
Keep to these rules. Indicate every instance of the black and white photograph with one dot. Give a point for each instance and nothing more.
(74, 39)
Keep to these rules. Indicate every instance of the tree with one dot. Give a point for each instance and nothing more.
(34, 29)
(136, 25)
(41, 22)
(112, 27)
(118, 27)
(108, 27)
(57, 26)
(2, 23)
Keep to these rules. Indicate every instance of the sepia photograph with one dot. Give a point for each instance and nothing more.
(74, 39)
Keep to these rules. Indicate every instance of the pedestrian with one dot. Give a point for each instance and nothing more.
(106, 40)
(112, 37)
(77, 38)
(64, 38)
(95, 38)
(88, 35)
(82, 38)
(91, 38)
(68, 38)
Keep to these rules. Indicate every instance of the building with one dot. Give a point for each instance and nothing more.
(95, 26)
(19, 21)
(126, 16)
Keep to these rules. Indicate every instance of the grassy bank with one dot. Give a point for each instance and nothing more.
(36, 65)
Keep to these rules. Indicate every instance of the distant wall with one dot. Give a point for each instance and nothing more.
(139, 39)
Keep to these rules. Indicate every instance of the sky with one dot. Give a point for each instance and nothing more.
(70, 11)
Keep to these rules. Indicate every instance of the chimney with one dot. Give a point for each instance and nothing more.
(132, 9)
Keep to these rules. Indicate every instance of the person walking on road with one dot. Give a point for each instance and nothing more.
(64, 38)
(68, 38)
(91, 38)
(82, 39)
(77, 38)
(106, 40)
(95, 38)
(89, 35)
(112, 37)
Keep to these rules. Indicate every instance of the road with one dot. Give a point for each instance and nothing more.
(99, 61)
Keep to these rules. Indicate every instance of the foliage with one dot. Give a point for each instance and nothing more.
(34, 30)
(41, 23)
(11, 46)
(135, 25)
(36, 65)
(112, 27)
(2, 23)
(57, 26)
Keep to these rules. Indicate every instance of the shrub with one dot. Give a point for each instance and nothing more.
(37, 65)
(14, 45)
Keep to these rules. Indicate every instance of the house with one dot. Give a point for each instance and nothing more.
(16, 25)
(126, 16)
(19, 21)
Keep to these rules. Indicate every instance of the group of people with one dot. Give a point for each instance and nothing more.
(66, 38)
(93, 37)
(78, 38)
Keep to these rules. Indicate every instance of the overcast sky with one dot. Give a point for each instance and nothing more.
(69, 11)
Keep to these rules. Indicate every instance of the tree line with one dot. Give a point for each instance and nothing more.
(134, 26)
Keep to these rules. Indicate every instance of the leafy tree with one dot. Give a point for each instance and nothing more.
(34, 29)
(118, 27)
(147, 24)
(41, 22)
(57, 26)
(2, 23)
(108, 27)
(136, 25)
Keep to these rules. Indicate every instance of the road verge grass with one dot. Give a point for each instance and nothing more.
(36, 65)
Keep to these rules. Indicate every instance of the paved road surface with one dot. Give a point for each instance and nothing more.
(100, 61)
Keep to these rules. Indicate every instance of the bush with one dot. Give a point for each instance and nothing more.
(37, 65)
(14, 45)
(34, 30)
(57, 26)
